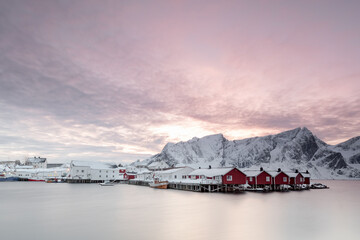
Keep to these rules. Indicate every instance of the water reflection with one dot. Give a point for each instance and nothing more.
(88, 211)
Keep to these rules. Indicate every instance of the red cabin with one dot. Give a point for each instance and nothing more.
(219, 175)
(258, 178)
(280, 178)
(234, 176)
(296, 178)
(306, 178)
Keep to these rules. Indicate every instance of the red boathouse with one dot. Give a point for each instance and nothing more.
(234, 176)
(258, 179)
(306, 178)
(219, 175)
(280, 179)
(296, 179)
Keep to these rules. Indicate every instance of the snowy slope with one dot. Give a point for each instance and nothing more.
(293, 149)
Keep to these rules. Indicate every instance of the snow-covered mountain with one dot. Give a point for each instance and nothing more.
(294, 149)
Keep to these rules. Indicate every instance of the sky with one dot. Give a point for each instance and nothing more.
(117, 80)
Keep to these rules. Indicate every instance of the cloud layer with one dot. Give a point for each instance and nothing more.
(115, 81)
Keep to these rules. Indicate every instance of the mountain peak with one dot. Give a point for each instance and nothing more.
(352, 143)
(214, 136)
(287, 135)
(305, 129)
(296, 148)
(305, 132)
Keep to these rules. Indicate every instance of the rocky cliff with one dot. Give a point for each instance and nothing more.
(294, 149)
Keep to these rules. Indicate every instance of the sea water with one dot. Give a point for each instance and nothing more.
(38, 210)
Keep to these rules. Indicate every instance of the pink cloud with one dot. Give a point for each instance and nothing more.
(227, 67)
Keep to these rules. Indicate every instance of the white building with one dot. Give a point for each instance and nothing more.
(140, 164)
(122, 173)
(208, 175)
(173, 175)
(93, 171)
(37, 162)
(132, 168)
(158, 165)
(144, 174)
(40, 174)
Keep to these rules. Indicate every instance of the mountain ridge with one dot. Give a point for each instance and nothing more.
(293, 149)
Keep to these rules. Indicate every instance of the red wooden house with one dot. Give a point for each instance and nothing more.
(280, 179)
(306, 178)
(234, 176)
(258, 179)
(231, 176)
(296, 179)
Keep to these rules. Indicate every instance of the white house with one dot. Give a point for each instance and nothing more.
(40, 174)
(122, 173)
(140, 164)
(158, 165)
(36, 162)
(174, 174)
(144, 174)
(93, 171)
(131, 168)
(215, 176)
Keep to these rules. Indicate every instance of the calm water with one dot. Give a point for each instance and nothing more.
(89, 211)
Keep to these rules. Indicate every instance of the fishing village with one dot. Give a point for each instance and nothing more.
(160, 175)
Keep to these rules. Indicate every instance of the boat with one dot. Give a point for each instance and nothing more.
(54, 180)
(318, 186)
(36, 180)
(8, 177)
(265, 189)
(159, 184)
(106, 183)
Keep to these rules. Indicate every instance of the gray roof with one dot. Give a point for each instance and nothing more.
(211, 172)
(94, 165)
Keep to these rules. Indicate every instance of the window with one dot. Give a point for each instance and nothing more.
(82, 170)
(229, 178)
(106, 171)
(113, 176)
(284, 179)
(268, 179)
(100, 171)
(106, 175)
(99, 176)
(251, 179)
(77, 170)
(175, 176)
(113, 171)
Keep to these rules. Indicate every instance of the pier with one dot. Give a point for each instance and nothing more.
(199, 187)
(196, 187)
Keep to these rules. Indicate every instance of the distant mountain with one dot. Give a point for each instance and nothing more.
(294, 149)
